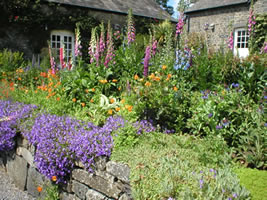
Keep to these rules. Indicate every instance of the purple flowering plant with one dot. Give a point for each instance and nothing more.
(11, 115)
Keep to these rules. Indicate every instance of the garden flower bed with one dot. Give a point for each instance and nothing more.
(183, 118)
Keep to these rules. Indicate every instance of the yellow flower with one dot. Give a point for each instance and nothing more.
(117, 109)
(152, 76)
(114, 80)
(148, 84)
(175, 88)
(110, 112)
(83, 104)
(93, 89)
(92, 100)
(123, 101)
(164, 67)
(157, 78)
(103, 81)
(74, 99)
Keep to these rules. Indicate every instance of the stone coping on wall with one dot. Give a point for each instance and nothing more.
(110, 180)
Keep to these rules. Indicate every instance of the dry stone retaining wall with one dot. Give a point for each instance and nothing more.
(110, 181)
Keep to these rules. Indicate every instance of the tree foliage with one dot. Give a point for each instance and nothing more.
(167, 8)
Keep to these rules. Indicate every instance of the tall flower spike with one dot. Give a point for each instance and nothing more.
(131, 28)
(251, 21)
(110, 47)
(231, 41)
(146, 61)
(78, 45)
(102, 39)
(180, 25)
(52, 60)
(92, 46)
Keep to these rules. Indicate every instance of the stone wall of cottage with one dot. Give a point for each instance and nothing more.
(30, 40)
(110, 180)
(224, 20)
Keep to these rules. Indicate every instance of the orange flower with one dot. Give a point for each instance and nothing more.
(136, 77)
(58, 98)
(114, 80)
(123, 101)
(164, 67)
(157, 78)
(54, 178)
(93, 89)
(110, 112)
(117, 109)
(83, 104)
(175, 88)
(112, 100)
(129, 108)
(86, 91)
(74, 99)
(152, 76)
(148, 84)
(169, 76)
(92, 100)
(19, 78)
(119, 88)
(39, 189)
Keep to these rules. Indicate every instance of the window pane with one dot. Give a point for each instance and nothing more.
(58, 37)
(53, 45)
(243, 39)
(238, 45)
(53, 37)
(246, 46)
(65, 38)
(238, 39)
(243, 32)
(69, 46)
(70, 39)
(243, 45)
(58, 45)
(239, 33)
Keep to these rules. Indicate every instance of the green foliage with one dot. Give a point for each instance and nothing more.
(51, 192)
(254, 180)
(259, 35)
(10, 61)
(125, 137)
(165, 170)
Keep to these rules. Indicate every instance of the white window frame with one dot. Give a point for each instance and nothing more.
(241, 38)
(60, 39)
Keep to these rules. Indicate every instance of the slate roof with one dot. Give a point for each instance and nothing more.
(144, 8)
(211, 4)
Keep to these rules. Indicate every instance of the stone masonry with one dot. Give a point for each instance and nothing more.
(224, 19)
(110, 180)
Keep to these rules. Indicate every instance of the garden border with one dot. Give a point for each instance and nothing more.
(110, 180)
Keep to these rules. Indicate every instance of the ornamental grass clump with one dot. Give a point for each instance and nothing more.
(11, 114)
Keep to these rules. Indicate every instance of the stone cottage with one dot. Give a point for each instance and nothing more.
(218, 18)
(27, 25)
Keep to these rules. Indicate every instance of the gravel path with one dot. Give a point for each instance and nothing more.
(8, 190)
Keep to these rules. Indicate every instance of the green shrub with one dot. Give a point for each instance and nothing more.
(10, 61)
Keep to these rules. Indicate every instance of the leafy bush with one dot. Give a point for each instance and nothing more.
(10, 61)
